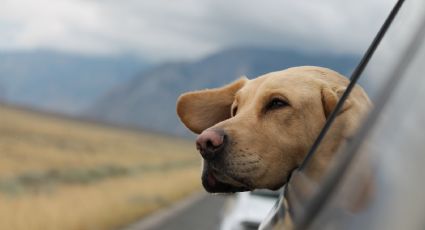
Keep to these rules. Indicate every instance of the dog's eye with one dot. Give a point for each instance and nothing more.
(234, 111)
(276, 103)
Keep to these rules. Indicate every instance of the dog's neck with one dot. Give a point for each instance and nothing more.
(325, 154)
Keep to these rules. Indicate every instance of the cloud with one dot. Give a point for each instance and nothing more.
(180, 29)
(44, 23)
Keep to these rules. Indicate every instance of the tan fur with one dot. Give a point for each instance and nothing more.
(196, 113)
(265, 146)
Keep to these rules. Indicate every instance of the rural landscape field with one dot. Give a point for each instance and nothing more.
(57, 173)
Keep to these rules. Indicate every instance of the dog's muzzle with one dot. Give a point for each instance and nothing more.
(213, 183)
(212, 144)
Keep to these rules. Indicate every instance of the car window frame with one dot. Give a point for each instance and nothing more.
(334, 177)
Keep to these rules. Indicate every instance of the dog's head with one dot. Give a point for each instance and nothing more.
(253, 133)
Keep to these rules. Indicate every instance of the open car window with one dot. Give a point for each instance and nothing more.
(388, 164)
(387, 159)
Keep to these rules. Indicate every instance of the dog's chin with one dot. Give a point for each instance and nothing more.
(212, 183)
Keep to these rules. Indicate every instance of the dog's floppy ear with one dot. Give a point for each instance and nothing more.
(202, 109)
(331, 96)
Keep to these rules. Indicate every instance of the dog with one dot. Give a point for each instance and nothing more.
(254, 133)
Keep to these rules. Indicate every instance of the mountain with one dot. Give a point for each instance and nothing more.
(149, 99)
(61, 82)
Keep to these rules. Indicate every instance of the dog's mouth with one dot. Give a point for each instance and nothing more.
(215, 181)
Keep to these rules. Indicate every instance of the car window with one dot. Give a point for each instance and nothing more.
(386, 56)
(368, 172)
(363, 189)
(390, 160)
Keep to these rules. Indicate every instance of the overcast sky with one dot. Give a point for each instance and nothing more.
(162, 30)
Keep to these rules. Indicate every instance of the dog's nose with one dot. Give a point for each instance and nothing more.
(210, 143)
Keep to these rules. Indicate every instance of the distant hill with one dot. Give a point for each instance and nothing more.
(149, 99)
(61, 82)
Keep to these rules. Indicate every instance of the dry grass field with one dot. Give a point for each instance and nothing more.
(57, 173)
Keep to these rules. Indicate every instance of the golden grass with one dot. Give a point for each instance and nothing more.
(35, 144)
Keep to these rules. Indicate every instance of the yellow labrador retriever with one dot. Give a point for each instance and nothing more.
(253, 133)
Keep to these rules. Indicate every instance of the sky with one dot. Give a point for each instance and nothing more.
(163, 30)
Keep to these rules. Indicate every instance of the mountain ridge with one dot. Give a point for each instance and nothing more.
(61, 82)
(148, 100)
